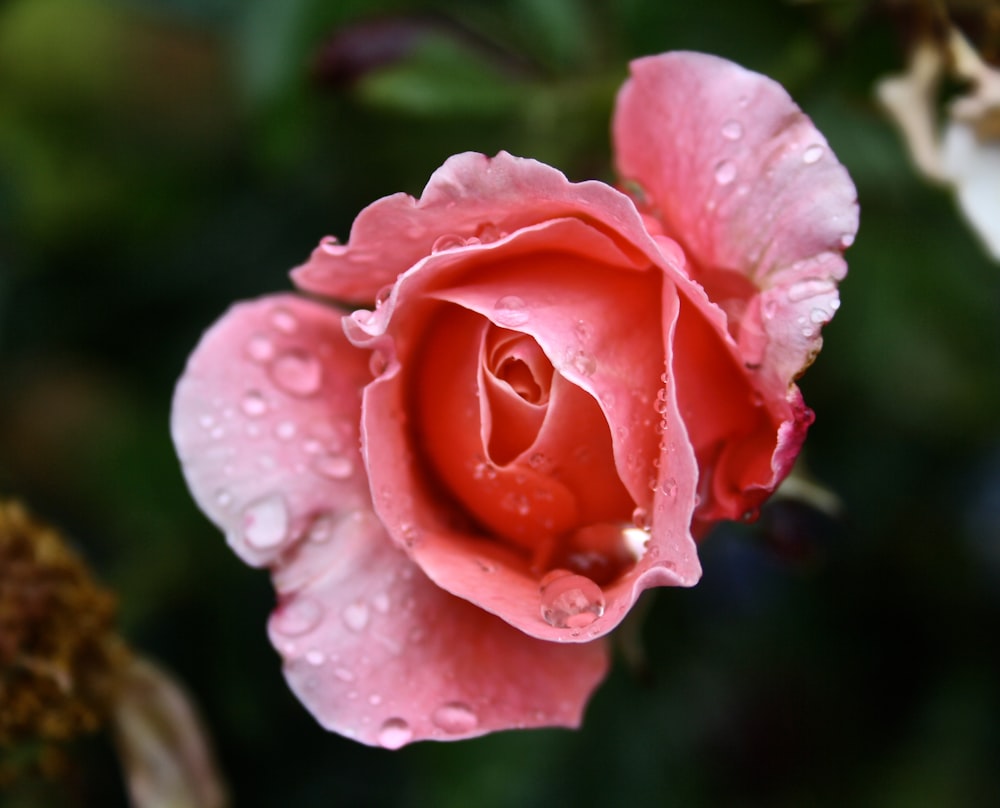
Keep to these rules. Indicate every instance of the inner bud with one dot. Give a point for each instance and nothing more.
(518, 375)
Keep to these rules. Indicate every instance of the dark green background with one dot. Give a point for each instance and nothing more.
(160, 159)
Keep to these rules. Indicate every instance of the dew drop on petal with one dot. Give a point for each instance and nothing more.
(260, 348)
(298, 617)
(583, 362)
(334, 467)
(284, 320)
(640, 518)
(265, 522)
(322, 529)
(511, 311)
(377, 363)
(846, 240)
(343, 674)
(570, 601)
(298, 373)
(732, 130)
(381, 603)
(253, 404)
(725, 172)
(455, 718)
(819, 316)
(812, 154)
(448, 241)
(356, 616)
(285, 430)
(315, 657)
(394, 733)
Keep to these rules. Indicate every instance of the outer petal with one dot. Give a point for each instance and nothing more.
(471, 197)
(380, 654)
(269, 445)
(265, 421)
(742, 179)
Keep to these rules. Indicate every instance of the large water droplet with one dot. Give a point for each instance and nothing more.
(812, 154)
(511, 311)
(335, 467)
(570, 601)
(298, 617)
(253, 404)
(265, 522)
(725, 172)
(732, 130)
(455, 718)
(394, 733)
(356, 616)
(298, 373)
(846, 240)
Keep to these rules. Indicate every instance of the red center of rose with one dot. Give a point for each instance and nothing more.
(523, 451)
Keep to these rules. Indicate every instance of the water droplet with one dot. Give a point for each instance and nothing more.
(265, 522)
(206, 421)
(377, 363)
(218, 432)
(374, 699)
(449, 241)
(253, 404)
(511, 311)
(725, 172)
(335, 467)
(315, 657)
(819, 316)
(285, 430)
(343, 674)
(297, 617)
(812, 154)
(260, 348)
(298, 373)
(381, 603)
(669, 487)
(846, 240)
(570, 601)
(583, 362)
(322, 529)
(223, 498)
(583, 330)
(284, 320)
(640, 518)
(455, 718)
(356, 616)
(394, 733)
(732, 130)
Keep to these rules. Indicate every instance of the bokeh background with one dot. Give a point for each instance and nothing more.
(160, 159)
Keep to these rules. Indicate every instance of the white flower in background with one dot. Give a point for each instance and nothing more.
(964, 151)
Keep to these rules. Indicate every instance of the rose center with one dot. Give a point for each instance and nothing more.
(518, 375)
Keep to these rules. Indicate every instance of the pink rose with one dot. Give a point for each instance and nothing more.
(550, 389)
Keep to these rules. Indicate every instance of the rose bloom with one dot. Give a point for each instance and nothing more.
(508, 407)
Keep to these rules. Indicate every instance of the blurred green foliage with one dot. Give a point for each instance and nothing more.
(160, 159)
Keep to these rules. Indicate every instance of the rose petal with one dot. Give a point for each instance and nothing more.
(472, 199)
(743, 180)
(265, 420)
(380, 654)
(372, 648)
